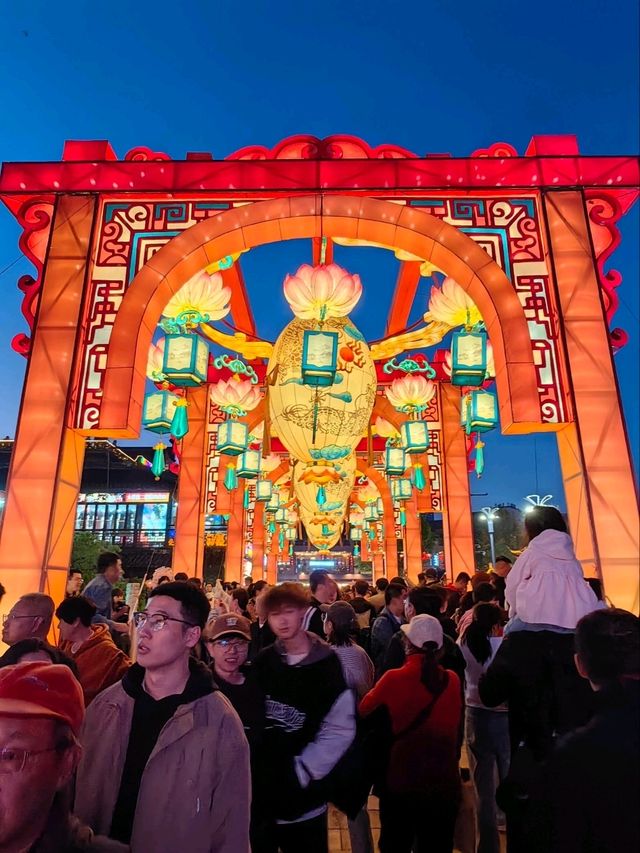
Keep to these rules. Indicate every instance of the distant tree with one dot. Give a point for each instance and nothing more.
(85, 552)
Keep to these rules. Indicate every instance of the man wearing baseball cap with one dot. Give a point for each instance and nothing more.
(420, 794)
(227, 640)
(41, 712)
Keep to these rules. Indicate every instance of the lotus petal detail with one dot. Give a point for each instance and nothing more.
(204, 294)
(155, 360)
(410, 393)
(235, 396)
(316, 293)
(384, 428)
(452, 305)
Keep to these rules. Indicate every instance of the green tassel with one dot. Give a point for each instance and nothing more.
(326, 531)
(158, 465)
(479, 458)
(230, 478)
(271, 528)
(403, 518)
(321, 497)
(291, 549)
(356, 550)
(281, 539)
(371, 533)
(180, 421)
(418, 477)
(245, 499)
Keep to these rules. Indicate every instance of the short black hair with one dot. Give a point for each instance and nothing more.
(431, 574)
(503, 559)
(241, 596)
(382, 584)
(193, 602)
(541, 518)
(257, 587)
(317, 577)
(14, 653)
(394, 590)
(425, 600)
(361, 587)
(421, 577)
(181, 576)
(116, 592)
(106, 560)
(76, 607)
(463, 576)
(608, 643)
(399, 581)
(289, 592)
(73, 571)
(484, 592)
(196, 581)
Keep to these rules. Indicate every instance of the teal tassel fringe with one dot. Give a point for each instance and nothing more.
(403, 518)
(245, 499)
(158, 465)
(418, 478)
(321, 497)
(230, 478)
(180, 423)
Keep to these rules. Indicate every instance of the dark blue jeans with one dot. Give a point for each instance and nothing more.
(488, 749)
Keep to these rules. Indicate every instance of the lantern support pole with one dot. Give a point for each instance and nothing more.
(188, 553)
(456, 508)
(38, 522)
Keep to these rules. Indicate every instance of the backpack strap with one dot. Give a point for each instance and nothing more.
(426, 711)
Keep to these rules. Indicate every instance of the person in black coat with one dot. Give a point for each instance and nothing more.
(590, 787)
(534, 672)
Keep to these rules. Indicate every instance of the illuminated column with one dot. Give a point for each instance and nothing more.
(44, 478)
(390, 544)
(456, 509)
(188, 553)
(378, 566)
(412, 540)
(272, 561)
(597, 463)
(259, 534)
(233, 563)
(576, 496)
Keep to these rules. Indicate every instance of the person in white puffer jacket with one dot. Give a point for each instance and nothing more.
(546, 588)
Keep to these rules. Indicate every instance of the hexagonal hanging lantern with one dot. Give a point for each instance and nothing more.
(249, 464)
(479, 411)
(371, 512)
(395, 463)
(401, 489)
(319, 357)
(264, 491)
(186, 360)
(415, 436)
(468, 357)
(158, 411)
(232, 438)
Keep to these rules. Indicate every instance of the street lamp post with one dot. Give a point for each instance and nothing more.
(489, 515)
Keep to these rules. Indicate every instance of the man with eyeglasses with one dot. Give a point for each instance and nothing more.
(30, 617)
(166, 763)
(41, 712)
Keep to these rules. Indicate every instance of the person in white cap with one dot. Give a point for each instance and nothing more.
(420, 794)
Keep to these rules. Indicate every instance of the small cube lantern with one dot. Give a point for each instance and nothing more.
(233, 437)
(319, 357)
(395, 462)
(186, 360)
(264, 491)
(371, 512)
(468, 357)
(249, 465)
(401, 489)
(158, 411)
(479, 411)
(415, 436)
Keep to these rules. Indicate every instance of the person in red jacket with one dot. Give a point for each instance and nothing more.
(420, 794)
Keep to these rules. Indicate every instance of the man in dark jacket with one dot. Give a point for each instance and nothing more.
(323, 592)
(534, 672)
(423, 600)
(590, 787)
(310, 722)
(387, 624)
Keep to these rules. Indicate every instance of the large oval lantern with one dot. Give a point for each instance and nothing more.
(327, 419)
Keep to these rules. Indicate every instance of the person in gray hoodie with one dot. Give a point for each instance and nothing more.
(310, 723)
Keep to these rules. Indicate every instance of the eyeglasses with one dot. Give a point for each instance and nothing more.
(8, 617)
(228, 644)
(14, 760)
(156, 621)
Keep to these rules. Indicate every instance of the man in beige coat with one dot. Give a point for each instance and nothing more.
(166, 763)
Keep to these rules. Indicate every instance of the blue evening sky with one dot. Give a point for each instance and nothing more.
(432, 76)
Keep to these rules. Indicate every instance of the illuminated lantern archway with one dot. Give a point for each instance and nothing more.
(101, 289)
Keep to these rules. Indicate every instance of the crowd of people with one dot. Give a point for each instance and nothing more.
(236, 715)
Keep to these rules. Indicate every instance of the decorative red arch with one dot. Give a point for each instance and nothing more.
(316, 216)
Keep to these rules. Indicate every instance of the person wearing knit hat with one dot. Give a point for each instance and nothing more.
(41, 713)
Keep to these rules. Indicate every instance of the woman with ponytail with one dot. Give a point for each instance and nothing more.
(420, 793)
(486, 729)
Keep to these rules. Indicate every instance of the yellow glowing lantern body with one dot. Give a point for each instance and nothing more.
(336, 416)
